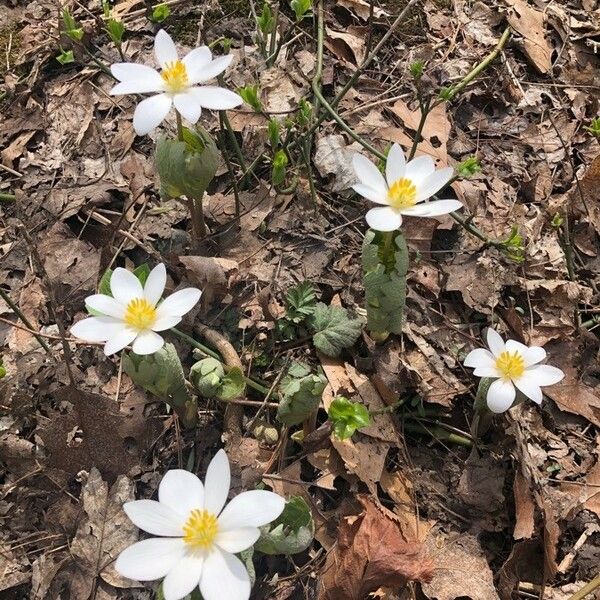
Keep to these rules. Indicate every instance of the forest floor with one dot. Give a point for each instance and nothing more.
(515, 515)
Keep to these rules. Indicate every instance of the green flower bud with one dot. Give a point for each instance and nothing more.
(186, 168)
(468, 167)
(206, 376)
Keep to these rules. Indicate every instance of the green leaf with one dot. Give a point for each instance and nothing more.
(2, 370)
(265, 21)
(233, 384)
(300, 302)
(65, 57)
(301, 8)
(104, 285)
(346, 417)
(291, 533)
(115, 30)
(142, 273)
(160, 13)
(274, 128)
(250, 96)
(160, 374)
(333, 330)
(304, 114)
(280, 162)
(301, 393)
(71, 29)
(209, 378)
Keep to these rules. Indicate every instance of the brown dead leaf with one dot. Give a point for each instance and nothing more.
(334, 157)
(349, 45)
(531, 24)
(587, 495)
(460, 568)
(103, 535)
(371, 552)
(361, 8)
(524, 508)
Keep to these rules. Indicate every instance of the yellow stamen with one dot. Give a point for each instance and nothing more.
(402, 194)
(140, 314)
(200, 529)
(175, 76)
(511, 366)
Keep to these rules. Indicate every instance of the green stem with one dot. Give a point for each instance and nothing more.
(387, 409)
(24, 319)
(425, 110)
(225, 155)
(179, 126)
(7, 197)
(251, 383)
(439, 434)
(586, 589)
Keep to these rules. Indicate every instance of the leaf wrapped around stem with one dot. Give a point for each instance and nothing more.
(385, 265)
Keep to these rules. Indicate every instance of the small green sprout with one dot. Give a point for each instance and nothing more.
(273, 128)
(115, 30)
(557, 221)
(304, 112)
(2, 370)
(65, 57)
(280, 162)
(266, 22)
(446, 93)
(346, 417)
(160, 13)
(416, 69)
(513, 245)
(594, 127)
(301, 8)
(250, 96)
(468, 167)
(71, 28)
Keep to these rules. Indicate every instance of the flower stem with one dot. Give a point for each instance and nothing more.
(179, 126)
(7, 197)
(586, 589)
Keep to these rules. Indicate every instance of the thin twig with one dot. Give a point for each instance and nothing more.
(23, 318)
(586, 589)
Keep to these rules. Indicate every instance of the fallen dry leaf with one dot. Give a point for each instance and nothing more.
(371, 552)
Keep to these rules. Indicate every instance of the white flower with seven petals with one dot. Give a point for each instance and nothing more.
(177, 83)
(133, 313)
(404, 190)
(513, 365)
(200, 537)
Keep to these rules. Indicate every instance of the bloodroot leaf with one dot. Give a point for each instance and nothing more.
(333, 329)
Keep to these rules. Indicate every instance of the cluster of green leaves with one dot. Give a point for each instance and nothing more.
(594, 127)
(160, 13)
(300, 392)
(72, 29)
(468, 167)
(186, 168)
(266, 21)
(513, 246)
(250, 95)
(208, 376)
(291, 532)
(384, 266)
(114, 27)
(346, 417)
(301, 8)
(331, 327)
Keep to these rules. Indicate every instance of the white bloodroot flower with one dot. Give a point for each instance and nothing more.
(404, 190)
(200, 537)
(177, 83)
(513, 365)
(133, 313)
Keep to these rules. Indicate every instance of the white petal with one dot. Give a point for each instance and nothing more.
(96, 329)
(370, 194)
(154, 517)
(123, 337)
(384, 218)
(179, 303)
(196, 63)
(480, 357)
(251, 509)
(149, 113)
(215, 98)
(155, 284)
(495, 342)
(224, 577)
(182, 491)
(533, 355)
(433, 209)
(395, 164)
(136, 79)
(418, 169)
(544, 374)
(183, 577)
(147, 342)
(125, 286)
(164, 48)
(210, 70)
(217, 483)
(500, 396)
(236, 540)
(434, 183)
(166, 322)
(106, 305)
(514, 346)
(487, 372)
(150, 559)
(528, 386)
(188, 106)
(369, 174)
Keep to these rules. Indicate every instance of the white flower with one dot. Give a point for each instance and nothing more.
(177, 84)
(404, 189)
(513, 365)
(200, 536)
(132, 313)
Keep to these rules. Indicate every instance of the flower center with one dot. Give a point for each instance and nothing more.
(402, 194)
(511, 366)
(200, 529)
(175, 76)
(140, 314)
